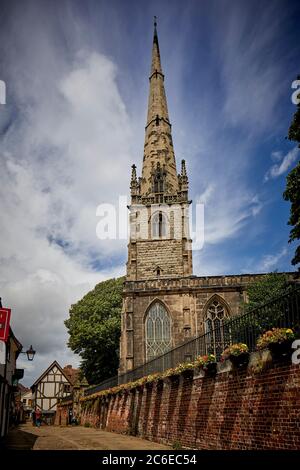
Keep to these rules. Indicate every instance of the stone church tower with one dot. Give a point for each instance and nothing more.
(159, 234)
(163, 303)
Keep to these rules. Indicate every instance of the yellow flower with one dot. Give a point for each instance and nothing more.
(289, 330)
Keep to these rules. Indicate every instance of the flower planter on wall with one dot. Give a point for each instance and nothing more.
(211, 369)
(149, 384)
(281, 350)
(240, 360)
(188, 373)
(173, 377)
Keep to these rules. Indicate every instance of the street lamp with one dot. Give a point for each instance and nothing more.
(30, 353)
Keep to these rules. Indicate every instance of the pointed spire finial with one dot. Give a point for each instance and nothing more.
(134, 184)
(155, 37)
(183, 178)
(133, 174)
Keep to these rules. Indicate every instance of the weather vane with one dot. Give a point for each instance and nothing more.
(155, 21)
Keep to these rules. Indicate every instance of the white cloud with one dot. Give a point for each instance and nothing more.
(287, 160)
(251, 75)
(270, 262)
(276, 156)
(59, 160)
(206, 196)
(227, 212)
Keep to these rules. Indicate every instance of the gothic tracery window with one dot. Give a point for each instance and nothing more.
(158, 184)
(158, 331)
(216, 314)
(159, 225)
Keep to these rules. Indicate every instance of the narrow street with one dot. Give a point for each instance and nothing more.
(73, 438)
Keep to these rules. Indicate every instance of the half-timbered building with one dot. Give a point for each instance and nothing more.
(55, 383)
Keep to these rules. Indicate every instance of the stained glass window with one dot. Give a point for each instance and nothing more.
(158, 331)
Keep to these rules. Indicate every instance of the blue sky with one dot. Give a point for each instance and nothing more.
(77, 84)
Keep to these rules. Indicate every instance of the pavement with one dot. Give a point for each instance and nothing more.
(26, 436)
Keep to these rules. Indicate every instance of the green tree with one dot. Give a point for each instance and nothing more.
(292, 191)
(270, 286)
(262, 292)
(94, 326)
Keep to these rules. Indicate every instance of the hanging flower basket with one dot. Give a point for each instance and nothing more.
(278, 341)
(238, 354)
(174, 377)
(149, 385)
(160, 384)
(207, 363)
(186, 369)
(240, 360)
(210, 369)
(188, 373)
(170, 374)
(281, 349)
(139, 387)
(151, 379)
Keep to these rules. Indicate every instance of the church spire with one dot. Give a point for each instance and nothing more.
(155, 63)
(158, 148)
(157, 104)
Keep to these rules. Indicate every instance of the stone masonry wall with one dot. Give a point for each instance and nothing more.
(186, 309)
(167, 254)
(237, 409)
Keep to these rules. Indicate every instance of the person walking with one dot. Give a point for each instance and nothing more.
(38, 416)
(33, 415)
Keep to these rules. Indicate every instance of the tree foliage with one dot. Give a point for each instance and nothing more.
(257, 320)
(94, 326)
(267, 288)
(292, 191)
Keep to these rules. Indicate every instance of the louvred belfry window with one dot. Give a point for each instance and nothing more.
(158, 331)
(215, 316)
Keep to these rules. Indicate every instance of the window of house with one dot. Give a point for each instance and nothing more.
(158, 331)
(67, 388)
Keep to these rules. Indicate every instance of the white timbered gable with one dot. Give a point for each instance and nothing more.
(50, 387)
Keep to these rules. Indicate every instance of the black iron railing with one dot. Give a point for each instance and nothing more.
(283, 311)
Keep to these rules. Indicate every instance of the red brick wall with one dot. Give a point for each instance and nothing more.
(237, 409)
(61, 416)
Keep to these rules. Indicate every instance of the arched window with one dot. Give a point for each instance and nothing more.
(159, 225)
(216, 313)
(158, 184)
(158, 331)
(158, 179)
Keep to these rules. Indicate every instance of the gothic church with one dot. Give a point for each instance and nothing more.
(163, 303)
